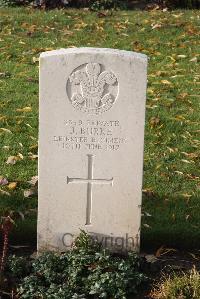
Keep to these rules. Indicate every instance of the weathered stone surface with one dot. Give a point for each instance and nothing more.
(92, 115)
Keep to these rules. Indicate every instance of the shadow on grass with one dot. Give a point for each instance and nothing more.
(173, 223)
(24, 213)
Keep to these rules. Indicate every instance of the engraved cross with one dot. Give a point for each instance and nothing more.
(90, 181)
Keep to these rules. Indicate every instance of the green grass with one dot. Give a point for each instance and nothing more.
(171, 161)
(182, 285)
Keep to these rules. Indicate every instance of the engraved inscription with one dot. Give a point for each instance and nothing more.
(105, 135)
(92, 89)
(90, 181)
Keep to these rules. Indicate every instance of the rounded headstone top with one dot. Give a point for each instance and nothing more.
(88, 50)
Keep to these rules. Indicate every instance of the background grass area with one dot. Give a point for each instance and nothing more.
(171, 162)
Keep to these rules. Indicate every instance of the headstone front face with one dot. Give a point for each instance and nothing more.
(92, 115)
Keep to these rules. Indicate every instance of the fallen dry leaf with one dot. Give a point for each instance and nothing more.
(32, 156)
(12, 160)
(12, 185)
(194, 59)
(181, 56)
(162, 251)
(190, 155)
(147, 214)
(154, 121)
(21, 157)
(146, 225)
(156, 26)
(194, 256)
(5, 130)
(25, 109)
(186, 161)
(33, 180)
(31, 192)
(166, 82)
(3, 181)
(178, 172)
(186, 195)
(6, 147)
(187, 217)
(34, 146)
(5, 75)
(150, 258)
(35, 59)
(148, 192)
(3, 192)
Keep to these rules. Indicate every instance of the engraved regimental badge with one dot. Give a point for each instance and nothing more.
(92, 89)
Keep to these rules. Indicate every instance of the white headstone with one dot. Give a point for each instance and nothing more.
(92, 116)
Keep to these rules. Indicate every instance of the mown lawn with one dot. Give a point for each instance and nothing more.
(172, 154)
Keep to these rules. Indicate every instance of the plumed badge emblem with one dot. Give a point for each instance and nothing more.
(91, 90)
